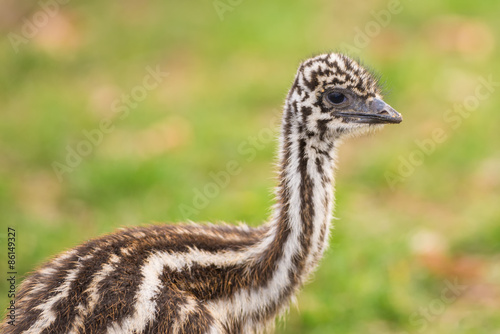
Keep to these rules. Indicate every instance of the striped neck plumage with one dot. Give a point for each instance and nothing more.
(300, 223)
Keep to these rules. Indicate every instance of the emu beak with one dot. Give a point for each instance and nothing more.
(377, 112)
(384, 113)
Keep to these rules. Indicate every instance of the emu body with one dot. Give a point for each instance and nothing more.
(217, 278)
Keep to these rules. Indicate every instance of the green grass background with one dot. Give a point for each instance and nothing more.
(393, 249)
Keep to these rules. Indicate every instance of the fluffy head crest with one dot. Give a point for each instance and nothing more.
(339, 70)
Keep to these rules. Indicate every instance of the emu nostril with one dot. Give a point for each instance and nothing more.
(384, 112)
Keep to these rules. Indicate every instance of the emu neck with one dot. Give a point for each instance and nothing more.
(297, 235)
(299, 228)
(305, 194)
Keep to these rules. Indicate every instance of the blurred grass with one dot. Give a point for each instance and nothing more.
(392, 250)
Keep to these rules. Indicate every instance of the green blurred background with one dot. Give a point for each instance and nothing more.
(418, 203)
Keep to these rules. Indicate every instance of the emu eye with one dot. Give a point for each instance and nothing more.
(336, 98)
